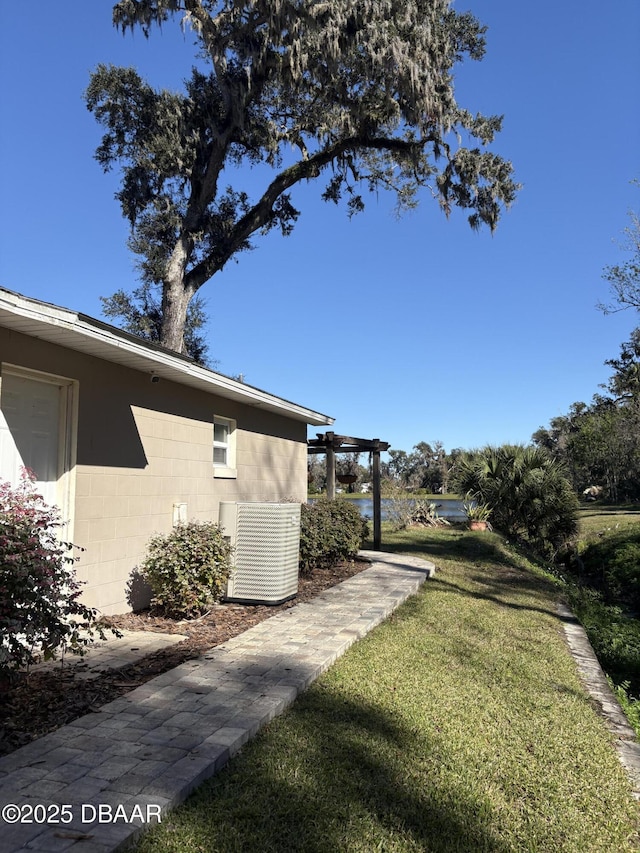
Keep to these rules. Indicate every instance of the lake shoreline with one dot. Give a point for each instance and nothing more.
(450, 508)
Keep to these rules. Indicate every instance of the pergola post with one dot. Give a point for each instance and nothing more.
(377, 512)
(331, 472)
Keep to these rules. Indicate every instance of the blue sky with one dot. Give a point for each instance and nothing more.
(407, 330)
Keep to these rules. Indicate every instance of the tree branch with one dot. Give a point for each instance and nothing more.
(261, 212)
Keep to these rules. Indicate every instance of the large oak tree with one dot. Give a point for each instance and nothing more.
(360, 91)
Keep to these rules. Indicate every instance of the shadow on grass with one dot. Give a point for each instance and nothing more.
(333, 778)
(503, 593)
(454, 545)
(504, 580)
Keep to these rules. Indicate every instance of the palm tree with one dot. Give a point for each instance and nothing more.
(529, 495)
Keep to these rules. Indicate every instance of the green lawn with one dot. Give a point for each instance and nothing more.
(457, 725)
(596, 518)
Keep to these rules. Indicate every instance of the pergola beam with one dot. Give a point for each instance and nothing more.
(330, 444)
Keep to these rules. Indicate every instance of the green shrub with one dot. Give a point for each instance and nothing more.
(629, 704)
(425, 514)
(623, 574)
(188, 568)
(40, 610)
(612, 565)
(330, 531)
(614, 635)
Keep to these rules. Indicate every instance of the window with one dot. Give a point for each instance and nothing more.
(224, 447)
(220, 443)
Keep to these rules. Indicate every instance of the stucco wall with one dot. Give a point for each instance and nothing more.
(142, 447)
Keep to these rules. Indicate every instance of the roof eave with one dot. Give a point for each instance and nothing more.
(93, 337)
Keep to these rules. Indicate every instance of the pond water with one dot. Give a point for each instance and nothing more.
(449, 508)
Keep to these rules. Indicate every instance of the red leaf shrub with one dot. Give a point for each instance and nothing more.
(40, 611)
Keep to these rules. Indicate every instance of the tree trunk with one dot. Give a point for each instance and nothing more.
(175, 302)
(176, 295)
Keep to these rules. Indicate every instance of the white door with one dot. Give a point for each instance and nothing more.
(30, 432)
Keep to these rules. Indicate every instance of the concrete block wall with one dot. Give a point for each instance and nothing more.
(118, 510)
(140, 447)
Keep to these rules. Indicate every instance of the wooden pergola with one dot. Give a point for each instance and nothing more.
(330, 444)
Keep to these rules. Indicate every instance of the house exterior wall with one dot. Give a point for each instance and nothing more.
(143, 447)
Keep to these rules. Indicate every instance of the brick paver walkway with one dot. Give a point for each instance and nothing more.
(91, 785)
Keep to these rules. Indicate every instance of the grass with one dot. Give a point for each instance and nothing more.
(457, 725)
(597, 519)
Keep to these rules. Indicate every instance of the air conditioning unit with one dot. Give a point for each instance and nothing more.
(266, 542)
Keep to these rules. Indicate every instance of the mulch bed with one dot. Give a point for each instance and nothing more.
(42, 701)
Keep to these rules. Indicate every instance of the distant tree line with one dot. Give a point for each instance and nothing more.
(427, 467)
(599, 442)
